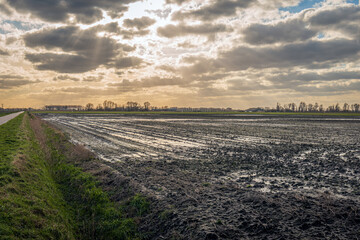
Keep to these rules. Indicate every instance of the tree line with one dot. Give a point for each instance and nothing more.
(112, 106)
(303, 107)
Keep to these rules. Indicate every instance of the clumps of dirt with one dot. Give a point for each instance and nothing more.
(248, 214)
(240, 179)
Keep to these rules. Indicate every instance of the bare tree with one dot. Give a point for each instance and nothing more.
(310, 107)
(356, 107)
(89, 107)
(316, 107)
(99, 107)
(147, 106)
(346, 107)
(132, 106)
(302, 107)
(109, 105)
(337, 107)
(331, 109)
(278, 107)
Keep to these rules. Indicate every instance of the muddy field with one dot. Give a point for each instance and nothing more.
(232, 177)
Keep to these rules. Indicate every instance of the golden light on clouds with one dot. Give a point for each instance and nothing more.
(213, 53)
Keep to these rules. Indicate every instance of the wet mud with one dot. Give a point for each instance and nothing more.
(230, 177)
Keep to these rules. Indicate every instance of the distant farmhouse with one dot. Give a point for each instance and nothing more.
(63, 108)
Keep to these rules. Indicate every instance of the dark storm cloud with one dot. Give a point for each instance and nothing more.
(83, 49)
(13, 81)
(289, 31)
(87, 11)
(171, 31)
(216, 9)
(139, 23)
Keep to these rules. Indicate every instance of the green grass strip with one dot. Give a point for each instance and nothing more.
(44, 196)
(31, 206)
(95, 216)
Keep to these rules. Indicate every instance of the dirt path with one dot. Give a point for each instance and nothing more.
(7, 118)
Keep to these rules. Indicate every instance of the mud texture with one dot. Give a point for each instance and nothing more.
(230, 177)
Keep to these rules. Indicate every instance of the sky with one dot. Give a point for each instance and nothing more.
(185, 53)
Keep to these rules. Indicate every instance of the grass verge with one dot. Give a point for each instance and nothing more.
(94, 215)
(4, 113)
(31, 206)
(44, 196)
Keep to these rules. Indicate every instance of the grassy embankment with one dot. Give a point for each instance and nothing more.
(350, 114)
(45, 196)
(4, 113)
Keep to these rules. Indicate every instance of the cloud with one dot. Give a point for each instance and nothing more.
(161, 13)
(65, 77)
(287, 31)
(171, 31)
(337, 88)
(139, 23)
(14, 81)
(240, 60)
(345, 14)
(179, 2)
(342, 19)
(130, 34)
(4, 52)
(289, 55)
(315, 76)
(186, 44)
(10, 40)
(127, 62)
(82, 92)
(306, 25)
(82, 50)
(149, 82)
(214, 10)
(5, 9)
(61, 10)
(93, 78)
(113, 27)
